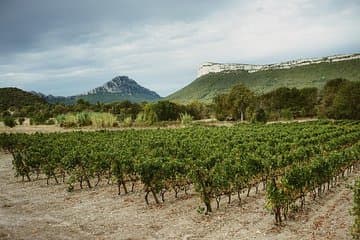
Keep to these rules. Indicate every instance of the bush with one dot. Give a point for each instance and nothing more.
(9, 122)
(68, 124)
(286, 114)
(60, 119)
(150, 115)
(83, 119)
(67, 121)
(140, 118)
(103, 119)
(127, 122)
(186, 118)
(260, 116)
(86, 119)
(38, 119)
(50, 121)
(21, 120)
(6, 113)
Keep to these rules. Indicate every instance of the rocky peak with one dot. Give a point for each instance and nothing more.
(123, 85)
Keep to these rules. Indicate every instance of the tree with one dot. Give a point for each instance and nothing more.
(328, 94)
(81, 105)
(125, 109)
(221, 106)
(340, 99)
(260, 116)
(198, 110)
(60, 109)
(240, 98)
(9, 122)
(308, 101)
(346, 103)
(165, 110)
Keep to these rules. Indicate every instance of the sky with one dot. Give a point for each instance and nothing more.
(69, 47)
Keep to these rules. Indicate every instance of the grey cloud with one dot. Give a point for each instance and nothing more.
(24, 24)
(67, 47)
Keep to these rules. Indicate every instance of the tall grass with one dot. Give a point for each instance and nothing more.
(81, 119)
(103, 119)
(186, 119)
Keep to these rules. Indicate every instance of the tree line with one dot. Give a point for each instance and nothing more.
(339, 99)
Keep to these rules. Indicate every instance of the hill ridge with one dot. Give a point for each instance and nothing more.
(212, 67)
(120, 88)
(315, 74)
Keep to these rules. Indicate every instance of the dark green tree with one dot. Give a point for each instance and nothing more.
(221, 105)
(328, 94)
(240, 98)
(260, 116)
(346, 103)
(9, 121)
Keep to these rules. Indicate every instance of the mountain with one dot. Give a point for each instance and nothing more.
(216, 78)
(15, 97)
(120, 88)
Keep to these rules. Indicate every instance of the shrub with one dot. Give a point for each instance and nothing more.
(140, 118)
(50, 121)
(83, 119)
(185, 118)
(21, 120)
(102, 119)
(127, 122)
(68, 120)
(68, 124)
(9, 122)
(86, 119)
(286, 114)
(260, 116)
(150, 116)
(38, 119)
(6, 113)
(60, 119)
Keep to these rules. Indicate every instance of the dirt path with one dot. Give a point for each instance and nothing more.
(33, 210)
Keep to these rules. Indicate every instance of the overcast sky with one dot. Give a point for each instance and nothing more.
(68, 47)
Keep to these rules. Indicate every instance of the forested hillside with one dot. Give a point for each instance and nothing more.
(14, 97)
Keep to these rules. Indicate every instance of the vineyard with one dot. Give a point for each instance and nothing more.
(294, 162)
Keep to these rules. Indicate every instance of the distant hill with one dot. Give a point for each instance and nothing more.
(219, 78)
(15, 97)
(120, 88)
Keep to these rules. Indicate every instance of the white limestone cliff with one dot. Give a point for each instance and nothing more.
(210, 67)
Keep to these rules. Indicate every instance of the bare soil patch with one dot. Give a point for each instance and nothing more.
(33, 210)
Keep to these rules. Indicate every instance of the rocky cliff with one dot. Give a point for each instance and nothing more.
(210, 67)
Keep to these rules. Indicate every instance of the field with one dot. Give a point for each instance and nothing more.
(216, 183)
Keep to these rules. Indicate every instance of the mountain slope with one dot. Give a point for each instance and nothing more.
(208, 86)
(15, 97)
(120, 88)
